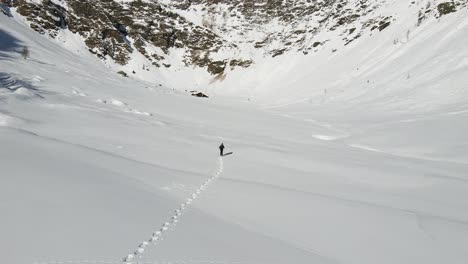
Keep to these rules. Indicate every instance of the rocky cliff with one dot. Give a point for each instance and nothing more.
(215, 34)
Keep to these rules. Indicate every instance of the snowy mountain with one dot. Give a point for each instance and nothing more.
(345, 123)
(163, 40)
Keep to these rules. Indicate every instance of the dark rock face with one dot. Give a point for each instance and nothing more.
(199, 94)
(46, 18)
(117, 30)
(106, 26)
(299, 22)
(446, 8)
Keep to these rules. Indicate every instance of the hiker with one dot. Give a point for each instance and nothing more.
(221, 150)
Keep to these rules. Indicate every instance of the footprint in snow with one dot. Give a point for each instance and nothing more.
(174, 219)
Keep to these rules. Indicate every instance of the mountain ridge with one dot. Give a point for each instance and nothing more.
(205, 41)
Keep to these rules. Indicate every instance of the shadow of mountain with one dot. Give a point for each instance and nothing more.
(9, 45)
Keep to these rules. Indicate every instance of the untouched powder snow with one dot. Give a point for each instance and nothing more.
(374, 173)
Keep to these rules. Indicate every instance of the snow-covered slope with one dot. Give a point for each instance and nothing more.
(92, 164)
(268, 51)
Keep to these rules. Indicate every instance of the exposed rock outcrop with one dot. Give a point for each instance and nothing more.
(212, 34)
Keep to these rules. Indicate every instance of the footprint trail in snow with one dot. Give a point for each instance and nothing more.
(173, 220)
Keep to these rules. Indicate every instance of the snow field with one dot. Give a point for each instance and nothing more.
(174, 219)
(330, 169)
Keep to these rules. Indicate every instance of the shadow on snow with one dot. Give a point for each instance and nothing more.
(8, 45)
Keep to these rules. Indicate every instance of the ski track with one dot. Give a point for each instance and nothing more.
(158, 235)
